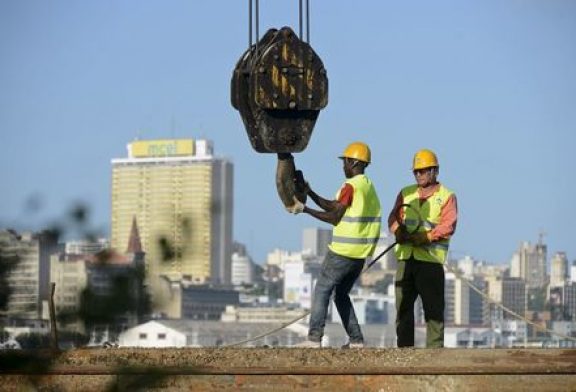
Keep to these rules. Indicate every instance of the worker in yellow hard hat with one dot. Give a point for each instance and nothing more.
(423, 233)
(356, 217)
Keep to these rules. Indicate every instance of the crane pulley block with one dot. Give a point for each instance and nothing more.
(279, 86)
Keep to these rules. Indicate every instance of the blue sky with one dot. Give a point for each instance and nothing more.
(490, 85)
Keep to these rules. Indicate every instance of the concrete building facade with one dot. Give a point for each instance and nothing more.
(28, 280)
(84, 247)
(242, 266)
(68, 273)
(182, 198)
(529, 264)
(558, 269)
(511, 293)
(315, 240)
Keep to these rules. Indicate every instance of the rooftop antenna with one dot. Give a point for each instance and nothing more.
(173, 127)
(541, 235)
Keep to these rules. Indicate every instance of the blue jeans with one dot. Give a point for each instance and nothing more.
(338, 275)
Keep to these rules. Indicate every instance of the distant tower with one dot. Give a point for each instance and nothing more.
(466, 266)
(176, 198)
(24, 285)
(316, 240)
(531, 264)
(510, 292)
(558, 269)
(454, 301)
(464, 306)
(134, 243)
(515, 268)
(242, 269)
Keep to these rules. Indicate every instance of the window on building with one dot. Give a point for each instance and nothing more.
(161, 336)
(142, 336)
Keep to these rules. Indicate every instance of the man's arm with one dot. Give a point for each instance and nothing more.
(332, 216)
(326, 205)
(396, 215)
(334, 210)
(448, 219)
(444, 229)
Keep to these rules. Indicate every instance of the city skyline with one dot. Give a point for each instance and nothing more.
(489, 86)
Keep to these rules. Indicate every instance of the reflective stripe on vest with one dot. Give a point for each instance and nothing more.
(436, 251)
(358, 231)
(361, 219)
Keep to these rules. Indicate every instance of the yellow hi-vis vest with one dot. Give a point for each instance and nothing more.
(429, 211)
(358, 231)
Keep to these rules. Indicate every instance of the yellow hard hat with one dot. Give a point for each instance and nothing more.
(357, 150)
(423, 159)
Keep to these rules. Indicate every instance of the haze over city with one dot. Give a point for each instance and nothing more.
(490, 86)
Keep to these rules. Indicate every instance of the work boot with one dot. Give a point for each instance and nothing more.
(309, 344)
(353, 345)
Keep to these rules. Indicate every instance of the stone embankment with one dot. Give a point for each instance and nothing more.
(291, 369)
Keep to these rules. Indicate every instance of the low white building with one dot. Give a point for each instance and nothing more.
(152, 334)
(464, 337)
(565, 330)
(16, 328)
(260, 314)
(204, 333)
(370, 307)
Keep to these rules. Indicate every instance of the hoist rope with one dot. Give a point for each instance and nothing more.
(305, 314)
(447, 267)
(506, 309)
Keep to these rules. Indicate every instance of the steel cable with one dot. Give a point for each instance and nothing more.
(307, 313)
(447, 267)
(507, 310)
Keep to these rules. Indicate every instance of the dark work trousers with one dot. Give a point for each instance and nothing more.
(425, 279)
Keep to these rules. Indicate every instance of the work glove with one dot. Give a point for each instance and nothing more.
(306, 188)
(401, 234)
(297, 207)
(300, 183)
(419, 238)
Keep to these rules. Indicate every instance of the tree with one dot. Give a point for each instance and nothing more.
(33, 340)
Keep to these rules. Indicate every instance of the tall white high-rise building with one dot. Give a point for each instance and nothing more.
(242, 266)
(558, 269)
(450, 298)
(515, 266)
(461, 304)
(466, 266)
(529, 264)
(464, 305)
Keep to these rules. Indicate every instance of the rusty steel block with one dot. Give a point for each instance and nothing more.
(279, 86)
